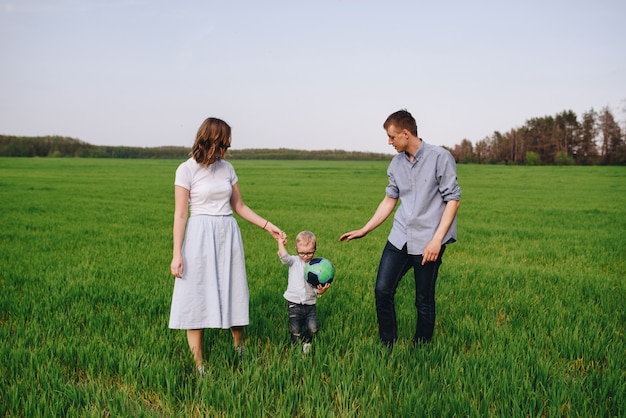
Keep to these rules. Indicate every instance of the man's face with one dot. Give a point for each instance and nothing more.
(398, 138)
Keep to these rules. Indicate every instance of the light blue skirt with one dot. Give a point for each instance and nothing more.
(213, 290)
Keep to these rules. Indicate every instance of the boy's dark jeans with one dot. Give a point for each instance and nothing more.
(302, 322)
(394, 263)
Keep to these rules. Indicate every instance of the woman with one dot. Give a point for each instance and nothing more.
(211, 289)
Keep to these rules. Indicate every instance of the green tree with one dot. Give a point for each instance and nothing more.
(538, 137)
(532, 158)
(566, 132)
(586, 151)
(563, 159)
(611, 136)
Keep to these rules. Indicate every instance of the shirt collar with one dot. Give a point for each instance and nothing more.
(418, 154)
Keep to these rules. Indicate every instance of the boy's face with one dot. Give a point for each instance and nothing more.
(306, 251)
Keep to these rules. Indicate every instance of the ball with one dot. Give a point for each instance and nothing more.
(319, 271)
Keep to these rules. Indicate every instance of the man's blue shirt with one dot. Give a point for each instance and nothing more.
(423, 188)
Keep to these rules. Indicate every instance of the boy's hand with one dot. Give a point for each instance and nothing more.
(321, 289)
(282, 238)
(282, 241)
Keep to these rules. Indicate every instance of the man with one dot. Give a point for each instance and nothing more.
(423, 177)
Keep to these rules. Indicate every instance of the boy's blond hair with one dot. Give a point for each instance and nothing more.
(306, 237)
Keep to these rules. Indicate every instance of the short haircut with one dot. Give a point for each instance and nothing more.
(402, 119)
(306, 237)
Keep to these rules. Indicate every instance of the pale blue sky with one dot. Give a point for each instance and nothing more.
(307, 75)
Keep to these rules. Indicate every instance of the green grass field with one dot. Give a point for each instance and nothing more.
(531, 300)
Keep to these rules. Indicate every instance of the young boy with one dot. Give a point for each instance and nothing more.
(300, 295)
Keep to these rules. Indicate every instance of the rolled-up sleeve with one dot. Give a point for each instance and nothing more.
(448, 182)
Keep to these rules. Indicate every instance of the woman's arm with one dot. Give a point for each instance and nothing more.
(241, 209)
(181, 209)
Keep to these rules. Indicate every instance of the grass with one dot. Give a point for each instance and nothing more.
(530, 300)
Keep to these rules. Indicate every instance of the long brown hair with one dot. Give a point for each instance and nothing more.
(212, 141)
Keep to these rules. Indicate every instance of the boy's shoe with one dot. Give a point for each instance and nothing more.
(201, 371)
(306, 348)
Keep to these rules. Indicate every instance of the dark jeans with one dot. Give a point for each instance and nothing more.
(394, 263)
(302, 322)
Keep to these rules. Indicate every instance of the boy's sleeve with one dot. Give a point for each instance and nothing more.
(285, 259)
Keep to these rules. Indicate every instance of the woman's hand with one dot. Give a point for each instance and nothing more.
(177, 266)
(275, 232)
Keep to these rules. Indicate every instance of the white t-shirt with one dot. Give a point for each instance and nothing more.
(298, 289)
(210, 188)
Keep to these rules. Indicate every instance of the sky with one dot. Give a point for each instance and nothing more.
(308, 75)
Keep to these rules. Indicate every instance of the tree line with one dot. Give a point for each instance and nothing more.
(59, 146)
(563, 139)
